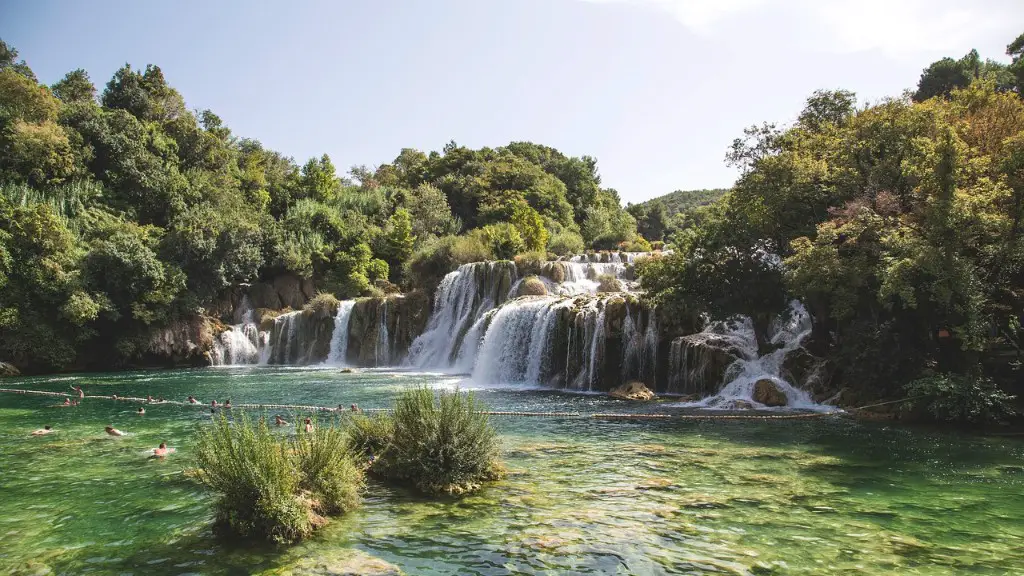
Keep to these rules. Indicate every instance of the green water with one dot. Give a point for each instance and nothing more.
(821, 496)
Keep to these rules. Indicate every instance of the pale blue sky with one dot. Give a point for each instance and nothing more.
(655, 89)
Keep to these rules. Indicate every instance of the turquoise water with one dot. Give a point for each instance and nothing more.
(820, 496)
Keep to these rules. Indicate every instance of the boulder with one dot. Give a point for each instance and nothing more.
(554, 271)
(307, 287)
(8, 370)
(182, 342)
(263, 295)
(531, 286)
(632, 391)
(768, 393)
(289, 290)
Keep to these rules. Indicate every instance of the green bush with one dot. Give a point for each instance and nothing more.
(271, 487)
(328, 473)
(529, 263)
(323, 305)
(439, 443)
(565, 243)
(966, 399)
(438, 257)
(504, 240)
(608, 283)
(377, 269)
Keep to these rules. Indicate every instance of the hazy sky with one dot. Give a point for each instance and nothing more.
(655, 89)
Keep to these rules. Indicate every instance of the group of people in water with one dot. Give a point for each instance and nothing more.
(162, 451)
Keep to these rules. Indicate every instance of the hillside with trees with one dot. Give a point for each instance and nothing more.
(898, 224)
(122, 210)
(660, 218)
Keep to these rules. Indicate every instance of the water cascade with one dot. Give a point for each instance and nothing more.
(463, 298)
(240, 343)
(693, 359)
(339, 338)
(382, 352)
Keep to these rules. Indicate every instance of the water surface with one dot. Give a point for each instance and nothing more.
(819, 496)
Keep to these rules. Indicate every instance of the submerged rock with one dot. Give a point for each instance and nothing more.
(768, 393)
(337, 563)
(8, 370)
(632, 391)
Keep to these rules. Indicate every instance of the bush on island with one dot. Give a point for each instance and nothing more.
(271, 487)
(437, 442)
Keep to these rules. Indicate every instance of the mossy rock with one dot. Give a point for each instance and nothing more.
(768, 393)
(532, 286)
(554, 271)
(8, 370)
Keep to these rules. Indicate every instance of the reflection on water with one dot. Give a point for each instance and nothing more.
(702, 497)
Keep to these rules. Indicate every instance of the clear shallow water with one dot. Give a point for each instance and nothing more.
(819, 496)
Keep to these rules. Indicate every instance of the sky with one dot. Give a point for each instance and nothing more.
(656, 90)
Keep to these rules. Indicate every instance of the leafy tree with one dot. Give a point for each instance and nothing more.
(75, 86)
(398, 240)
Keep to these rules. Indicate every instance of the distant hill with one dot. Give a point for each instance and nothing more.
(683, 200)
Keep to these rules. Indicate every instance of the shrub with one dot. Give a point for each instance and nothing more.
(504, 240)
(438, 257)
(530, 262)
(271, 487)
(566, 242)
(377, 269)
(608, 283)
(327, 471)
(532, 286)
(440, 443)
(967, 399)
(638, 244)
(657, 245)
(323, 305)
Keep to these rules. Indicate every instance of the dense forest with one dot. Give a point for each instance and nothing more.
(121, 210)
(898, 224)
(664, 216)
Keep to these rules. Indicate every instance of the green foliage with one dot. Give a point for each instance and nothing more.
(438, 442)
(271, 487)
(503, 240)
(397, 239)
(529, 263)
(608, 283)
(566, 243)
(436, 258)
(968, 399)
(323, 305)
(530, 226)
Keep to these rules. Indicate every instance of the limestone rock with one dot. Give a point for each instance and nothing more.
(8, 370)
(768, 393)
(289, 290)
(531, 286)
(337, 563)
(554, 271)
(263, 295)
(632, 391)
(307, 287)
(184, 341)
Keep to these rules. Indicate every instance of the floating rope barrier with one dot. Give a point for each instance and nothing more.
(341, 409)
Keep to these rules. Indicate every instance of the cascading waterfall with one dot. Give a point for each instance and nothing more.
(339, 338)
(382, 352)
(742, 374)
(517, 346)
(239, 343)
(463, 298)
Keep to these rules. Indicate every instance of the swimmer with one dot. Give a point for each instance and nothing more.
(113, 431)
(67, 402)
(43, 431)
(227, 404)
(81, 393)
(309, 425)
(192, 400)
(74, 402)
(213, 404)
(355, 408)
(113, 396)
(278, 421)
(141, 410)
(162, 451)
(148, 399)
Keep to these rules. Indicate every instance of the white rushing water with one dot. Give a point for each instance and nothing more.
(742, 375)
(339, 338)
(240, 343)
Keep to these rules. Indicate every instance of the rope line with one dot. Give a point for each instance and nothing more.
(597, 416)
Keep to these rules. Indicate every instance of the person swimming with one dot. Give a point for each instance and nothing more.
(81, 393)
(192, 400)
(149, 399)
(162, 451)
(309, 425)
(278, 421)
(141, 410)
(67, 402)
(43, 431)
(113, 431)
(355, 408)
(213, 404)
(227, 403)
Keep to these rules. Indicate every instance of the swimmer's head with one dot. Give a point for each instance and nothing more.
(109, 428)
(47, 427)
(163, 444)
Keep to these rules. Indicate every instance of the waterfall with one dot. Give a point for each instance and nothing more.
(463, 297)
(339, 338)
(744, 372)
(239, 343)
(649, 354)
(382, 352)
(586, 346)
(516, 348)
